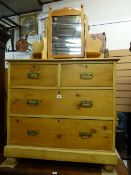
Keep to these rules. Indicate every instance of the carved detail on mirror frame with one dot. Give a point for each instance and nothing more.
(66, 33)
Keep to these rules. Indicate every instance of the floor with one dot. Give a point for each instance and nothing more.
(126, 159)
(123, 139)
(128, 165)
(41, 167)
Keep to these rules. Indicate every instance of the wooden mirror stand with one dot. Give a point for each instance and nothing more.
(66, 33)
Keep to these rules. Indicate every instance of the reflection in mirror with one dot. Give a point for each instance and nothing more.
(66, 35)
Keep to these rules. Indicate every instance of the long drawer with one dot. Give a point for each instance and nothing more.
(87, 74)
(61, 133)
(33, 75)
(67, 102)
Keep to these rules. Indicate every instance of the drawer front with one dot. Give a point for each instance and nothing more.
(72, 102)
(61, 133)
(33, 75)
(34, 101)
(87, 75)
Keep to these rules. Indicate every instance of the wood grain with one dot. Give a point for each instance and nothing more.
(64, 122)
(50, 104)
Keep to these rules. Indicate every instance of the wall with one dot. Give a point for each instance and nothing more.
(110, 16)
(18, 55)
(118, 34)
(123, 80)
(114, 18)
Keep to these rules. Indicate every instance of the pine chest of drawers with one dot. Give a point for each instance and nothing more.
(62, 110)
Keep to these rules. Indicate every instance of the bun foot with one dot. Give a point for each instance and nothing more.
(109, 168)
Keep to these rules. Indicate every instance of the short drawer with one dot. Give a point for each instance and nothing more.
(70, 102)
(33, 75)
(94, 74)
(33, 101)
(61, 133)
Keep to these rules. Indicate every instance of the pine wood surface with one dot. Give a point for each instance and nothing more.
(70, 99)
(69, 61)
(102, 74)
(98, 99)
(62, 154)
(47, 75)
(65, 12)
(61, 133)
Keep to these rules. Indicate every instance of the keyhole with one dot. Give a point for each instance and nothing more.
(58, 92)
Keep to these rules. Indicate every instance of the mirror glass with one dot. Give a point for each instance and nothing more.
(66, 35)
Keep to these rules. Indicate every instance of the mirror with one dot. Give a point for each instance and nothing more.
(66, 33)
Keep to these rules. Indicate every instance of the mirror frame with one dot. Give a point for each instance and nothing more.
(65, 12)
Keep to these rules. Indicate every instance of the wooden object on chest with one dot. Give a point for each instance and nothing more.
(62, 110)
(123, 80)
(66, 35)
(3, 40)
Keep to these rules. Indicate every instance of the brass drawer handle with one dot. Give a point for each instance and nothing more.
(33, 102)
(85, 135)
(86, 103)
(31, 132)
(86, 75)
(33, 75)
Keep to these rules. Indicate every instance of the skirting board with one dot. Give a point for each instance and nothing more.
(59, 154)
